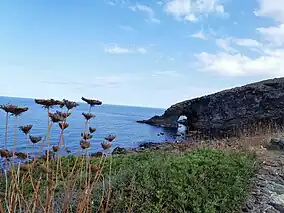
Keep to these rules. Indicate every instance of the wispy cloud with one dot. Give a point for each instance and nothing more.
(146, 9)
(116, 49)
(127, 28)
(191, 10)
(199, 35)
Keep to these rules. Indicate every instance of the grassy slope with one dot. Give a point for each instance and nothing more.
(204, 180)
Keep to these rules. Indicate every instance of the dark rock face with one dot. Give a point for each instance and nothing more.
(276, 143)
(228, 110)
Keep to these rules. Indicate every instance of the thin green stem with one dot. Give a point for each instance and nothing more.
(6, 131)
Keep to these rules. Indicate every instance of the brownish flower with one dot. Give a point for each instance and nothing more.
(35, 139)
(88, 116)
(19, 110)
(86, 136)
(85, 144)
(92, 130)
(92, 102)
(4, 153)
(106, 145)
(55, 148)
(49, 103)
(63, 114)
(8, 108)
(63, 125)
(56, 117)
(70, 104)
(26, 129)
(21, 155)
(110, 138)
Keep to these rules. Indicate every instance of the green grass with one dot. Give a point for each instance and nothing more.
(204, 180)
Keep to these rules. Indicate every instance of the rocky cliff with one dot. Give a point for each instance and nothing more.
(259, 103)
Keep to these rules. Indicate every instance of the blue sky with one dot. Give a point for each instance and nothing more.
(142, 53)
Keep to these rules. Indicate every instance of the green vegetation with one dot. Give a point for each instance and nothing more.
(203, 180)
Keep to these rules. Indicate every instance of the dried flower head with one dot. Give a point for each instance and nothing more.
(86, 136)
(49, 103)
(63, 125)
(4, 153)
(92, 130)
(35, 139)
(26, 129)
(91, 102)
(110, 138)
(106, 145)
(19, 110)
(21, 155)
(85, 144)
(63, 114)
(56, 117)
(55, 148)
(8, 108)
(88, 116)
(70, 104)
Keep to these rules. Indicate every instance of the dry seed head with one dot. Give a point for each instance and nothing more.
(63, 114)
(25, 167)
(26, 129)
(86, 136)
(4, 153)
(95, 168)
(35, 139)
(110, 138)
(19, 110)
(55, 148)
(8, 108)
(92, 130)
(70, 104)
(63, 125)
(91, 102)
(88, 116)
(49, 103)
(56, 117)
(21, 155)
(85, 144)
(106, 145)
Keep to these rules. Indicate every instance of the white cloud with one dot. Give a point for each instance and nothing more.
(126, 28)
(190, 10)
(271, 8)
(199, 35)
(247, 42)
(274, 34)
(237, 64)
(166, 73)
(116, 49)
(149, 11)
(225, 44)
(141, 50)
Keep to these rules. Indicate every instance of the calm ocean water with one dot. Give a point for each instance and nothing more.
(110, 119)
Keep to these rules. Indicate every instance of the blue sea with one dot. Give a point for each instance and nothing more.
(110, 119)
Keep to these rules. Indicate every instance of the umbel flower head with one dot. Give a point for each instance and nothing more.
(63, 125)
(49, 103)
(69, 104)
(26, 129)
(91, 102)
(13, 109)
(85, 144)
(86, 136)
(35, 139)
(110, 138)
(88, 116)
(106, 145)
(92, 130)
(56, 117)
